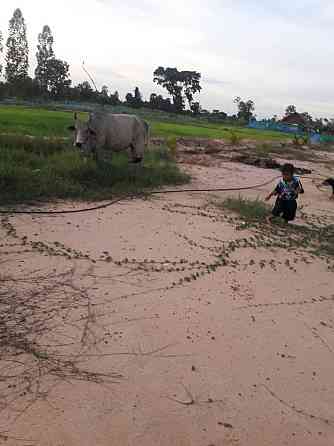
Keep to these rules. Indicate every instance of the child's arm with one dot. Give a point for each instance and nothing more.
(272, 194)
(276, 192)
(300, 189)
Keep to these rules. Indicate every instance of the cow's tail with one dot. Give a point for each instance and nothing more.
(147, 133)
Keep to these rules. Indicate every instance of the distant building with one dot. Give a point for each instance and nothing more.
(296, 119)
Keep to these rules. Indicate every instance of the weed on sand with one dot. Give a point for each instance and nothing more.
(316, 239)
(249, 210)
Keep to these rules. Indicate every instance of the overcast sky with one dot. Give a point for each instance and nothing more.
(274, 52)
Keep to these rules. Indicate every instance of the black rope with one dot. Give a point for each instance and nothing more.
(131, 197)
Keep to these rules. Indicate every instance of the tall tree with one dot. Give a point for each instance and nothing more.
(195, 108)
(44, 55)
(1, 50)
(191, 80)
(104, 97)
(85, 91)
(129, 98)
(180, 85)
(158, 102)
(138, 98)
(17, 49)
(245, 108)
(134, 100)
(114, 98)
(105, 91)
(290, 110)
(59, 77)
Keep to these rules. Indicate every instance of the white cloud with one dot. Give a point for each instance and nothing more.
(276, 53)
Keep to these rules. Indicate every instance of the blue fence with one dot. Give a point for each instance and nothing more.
(268, 124)
(327, 139)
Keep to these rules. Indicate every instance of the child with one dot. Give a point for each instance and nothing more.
(287, 192)
(329, 182)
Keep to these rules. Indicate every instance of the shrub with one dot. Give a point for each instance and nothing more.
(249, 210)
(172, 145)
(234, 139)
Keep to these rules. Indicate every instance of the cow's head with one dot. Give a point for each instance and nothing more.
(84, 136)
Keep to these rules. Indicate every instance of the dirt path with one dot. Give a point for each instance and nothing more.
(160, 322)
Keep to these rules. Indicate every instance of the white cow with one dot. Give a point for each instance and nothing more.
(111, 133)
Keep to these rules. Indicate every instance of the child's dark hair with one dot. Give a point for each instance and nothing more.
(329, 182)
(288, 168)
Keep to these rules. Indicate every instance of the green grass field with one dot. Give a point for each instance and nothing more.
(20, 120)
(42, 168)
(33, 121)
(211, 131)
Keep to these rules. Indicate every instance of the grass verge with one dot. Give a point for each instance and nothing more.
(39, 169)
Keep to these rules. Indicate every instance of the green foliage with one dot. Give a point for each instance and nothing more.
(234, 139)
(305, 139)
(135, 100)
(138, 98)
(157, 102)
(290, 110)
(38, 145)
(41, 169)
(47, 122)
(180, 85)
(1, 50)
(245, 109)
(17, 49)
(59, 77)
(44, 55)
(249, 210)
(172, 145)
(300, 140)
(51, 74)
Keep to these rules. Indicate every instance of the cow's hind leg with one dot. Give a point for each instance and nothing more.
(137, 157)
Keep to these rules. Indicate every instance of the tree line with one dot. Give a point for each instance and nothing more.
(52, 81)
(52, 75)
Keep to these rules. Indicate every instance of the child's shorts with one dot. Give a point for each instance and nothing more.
(285, 208)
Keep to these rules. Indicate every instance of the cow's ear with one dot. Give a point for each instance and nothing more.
(71, 128)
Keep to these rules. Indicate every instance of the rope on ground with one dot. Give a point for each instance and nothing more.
(131, 197)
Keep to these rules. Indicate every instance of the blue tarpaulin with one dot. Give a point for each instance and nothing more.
(268, 124)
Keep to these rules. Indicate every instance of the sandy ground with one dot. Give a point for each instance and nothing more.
(134, 351)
